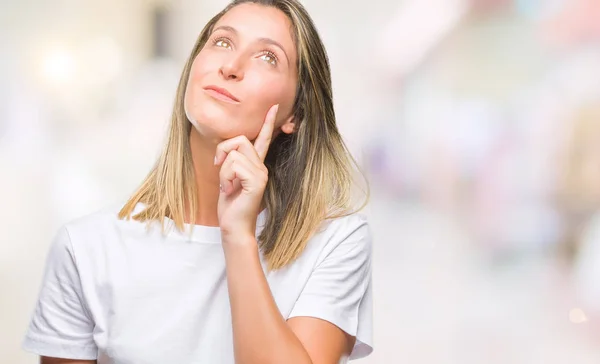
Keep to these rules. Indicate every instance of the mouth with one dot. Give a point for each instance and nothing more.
(221, 94)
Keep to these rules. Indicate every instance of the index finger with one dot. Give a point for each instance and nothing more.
(263, 140)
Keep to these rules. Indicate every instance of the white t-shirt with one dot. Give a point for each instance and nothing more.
(122, 294)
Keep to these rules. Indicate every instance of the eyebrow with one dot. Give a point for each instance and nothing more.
(262, 39)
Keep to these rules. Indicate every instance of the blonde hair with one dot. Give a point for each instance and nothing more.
(580, 178)
(311, 172)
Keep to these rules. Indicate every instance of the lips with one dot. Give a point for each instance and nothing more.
(222, 93)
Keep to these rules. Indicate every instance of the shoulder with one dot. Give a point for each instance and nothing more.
(96, 228)
(346, 224)
(350, 234)
(93, 222)
(79, 239)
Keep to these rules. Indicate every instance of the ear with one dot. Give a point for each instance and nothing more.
(289, 125)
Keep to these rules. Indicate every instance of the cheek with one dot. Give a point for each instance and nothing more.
(193, 95)
(201, 66)
(268, 91)
(264, 93)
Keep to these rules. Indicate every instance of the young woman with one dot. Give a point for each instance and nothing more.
(242, 244)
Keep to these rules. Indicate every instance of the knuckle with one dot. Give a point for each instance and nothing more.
(234, 154)
(222, 144)
(239, 140)
(264, 176)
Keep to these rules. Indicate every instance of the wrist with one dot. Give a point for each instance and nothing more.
(238, 240)
(235, 230)
(240, 251)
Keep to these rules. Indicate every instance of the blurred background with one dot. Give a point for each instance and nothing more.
(476, 121)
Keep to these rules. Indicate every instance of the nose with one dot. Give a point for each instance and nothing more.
(232, 69)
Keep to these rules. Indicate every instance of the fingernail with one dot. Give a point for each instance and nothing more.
(215, 161)
(220, 187)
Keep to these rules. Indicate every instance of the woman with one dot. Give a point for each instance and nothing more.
(231, 250)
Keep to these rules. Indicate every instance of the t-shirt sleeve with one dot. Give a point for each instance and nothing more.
(61, 326)
(339, 289)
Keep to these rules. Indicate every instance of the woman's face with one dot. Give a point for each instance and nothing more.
(247, 65)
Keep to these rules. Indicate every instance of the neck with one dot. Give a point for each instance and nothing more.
(207, 178)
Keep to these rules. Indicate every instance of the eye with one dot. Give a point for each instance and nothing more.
(269, 57)
(222, 42)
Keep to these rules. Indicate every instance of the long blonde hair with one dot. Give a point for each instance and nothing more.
(311, 172)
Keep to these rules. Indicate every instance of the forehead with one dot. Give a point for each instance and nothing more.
(258, 21)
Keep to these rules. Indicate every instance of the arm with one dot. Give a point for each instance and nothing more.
(323, 324)
(260, 333)
(324, 342)
(61, 326)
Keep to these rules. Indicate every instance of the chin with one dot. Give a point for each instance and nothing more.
(212, 125)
